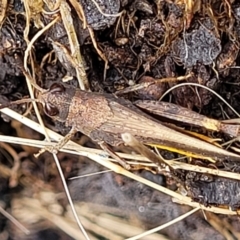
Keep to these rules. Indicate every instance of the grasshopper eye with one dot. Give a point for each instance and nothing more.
(51, 110)
(57, 88)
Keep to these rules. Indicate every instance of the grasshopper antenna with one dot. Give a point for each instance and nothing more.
(26, 100)
(27, 75)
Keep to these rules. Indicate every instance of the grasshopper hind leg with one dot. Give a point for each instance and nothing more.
(108, 149)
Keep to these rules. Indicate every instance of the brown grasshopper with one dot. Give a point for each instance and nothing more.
(104, 118)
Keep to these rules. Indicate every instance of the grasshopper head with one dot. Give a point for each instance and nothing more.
(56, 101)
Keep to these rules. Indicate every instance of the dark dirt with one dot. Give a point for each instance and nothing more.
(148, 41)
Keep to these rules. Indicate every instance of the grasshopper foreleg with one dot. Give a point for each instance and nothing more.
(56, 147)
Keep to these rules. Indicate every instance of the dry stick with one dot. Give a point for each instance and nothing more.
(50, 13)
(69, 197)
(36, 36)
(29, 81)
(140, 86)
(4, 6)
(105, 14)
(13, 181)
(83, 151)
(219, 225)
(72, 147)
(53, 6)
(90, 174)
(111, 222)
(27, 15)
(180, 198)
(116, 168)
(14, 221)
(41, 122)
(102, 161)
(101, 54)
(79, 10)
(74, 45)
(81, 15)
(38, 208)
(201, 86)
(164, 225)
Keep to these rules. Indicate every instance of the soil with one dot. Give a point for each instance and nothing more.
(148, 41)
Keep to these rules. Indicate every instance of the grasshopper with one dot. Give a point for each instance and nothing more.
(104, 118)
